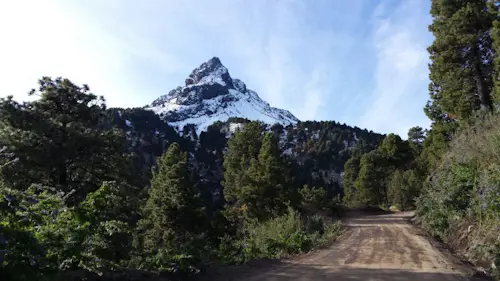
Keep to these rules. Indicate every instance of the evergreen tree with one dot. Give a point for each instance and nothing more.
(396, 151)
(416, 137)
(240, 166)
(434, 145)
(494, 6)
(403, 188)
(59, 140)
(173, 213)
(366, 179)
(351, 171)
(314, 199)
(273, 194)
(462, 58)
(370, 184)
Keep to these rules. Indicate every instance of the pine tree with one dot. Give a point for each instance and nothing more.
(313, 199)
(173, 211)
(403, 188)
(273, 194)
(416, 137)
(434, 145)
(240, 166)
(370, 184)
(257, 179)
(494, 6)
(462, 57)
(351, 171)
(59, 140)
(397, 152)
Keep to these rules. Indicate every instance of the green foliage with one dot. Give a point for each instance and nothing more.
(319, 147)
(243, 153)
(316, 224)
(91, 238)
(147, 135)
(231, 250)
(351, 171)
(460, 155)
(255, 176)
(462, 57)
(495, 34)
(64, 123)
(466, 186)
(370, 185)
(435, 144)
(416, 138)
(78, 212)
(22, 257)
(272, 178)
(314, 199)
(278, 237)
(366, 180)
(173, 216)
(57, 237)
(403, 189)
(397, 152)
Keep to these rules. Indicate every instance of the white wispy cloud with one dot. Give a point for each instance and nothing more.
(400, 92)
(321, 59)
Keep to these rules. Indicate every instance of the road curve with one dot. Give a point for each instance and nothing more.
(375, 247)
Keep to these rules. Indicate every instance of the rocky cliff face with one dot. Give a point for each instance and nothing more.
(211, 95)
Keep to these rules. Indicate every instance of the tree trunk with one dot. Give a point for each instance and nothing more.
(482, 90)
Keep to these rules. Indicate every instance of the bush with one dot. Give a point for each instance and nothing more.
(313, 199)
(278, 238)
(230, 251)
(465, 190)
(316, 224)
(43, 235)
(332, 231)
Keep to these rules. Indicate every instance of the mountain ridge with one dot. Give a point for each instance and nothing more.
(210, 94)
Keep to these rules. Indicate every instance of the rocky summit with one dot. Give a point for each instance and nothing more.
(210, 95)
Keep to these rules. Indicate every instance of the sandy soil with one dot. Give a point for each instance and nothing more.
(376, 247)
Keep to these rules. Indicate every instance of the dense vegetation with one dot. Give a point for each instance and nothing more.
(449, 173)
(90, 192)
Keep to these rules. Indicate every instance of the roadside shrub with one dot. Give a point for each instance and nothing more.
(230, 251)
(314, 199)
(465, 190)
(332, 231)
(316, 224)
(277, 238)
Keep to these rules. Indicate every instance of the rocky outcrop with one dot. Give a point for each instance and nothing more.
(210, 95)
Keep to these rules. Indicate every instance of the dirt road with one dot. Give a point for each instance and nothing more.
(376, 247)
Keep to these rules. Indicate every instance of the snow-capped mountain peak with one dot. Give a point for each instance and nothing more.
(210, 72)
(210, 95)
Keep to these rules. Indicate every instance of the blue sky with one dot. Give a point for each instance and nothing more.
(359, 62)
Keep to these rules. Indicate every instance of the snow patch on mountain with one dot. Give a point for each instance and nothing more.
(234, 127)
(211, 95)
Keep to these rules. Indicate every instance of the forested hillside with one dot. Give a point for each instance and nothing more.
(95, 193)
(318, 150)
(89, 191)
(450, 172)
